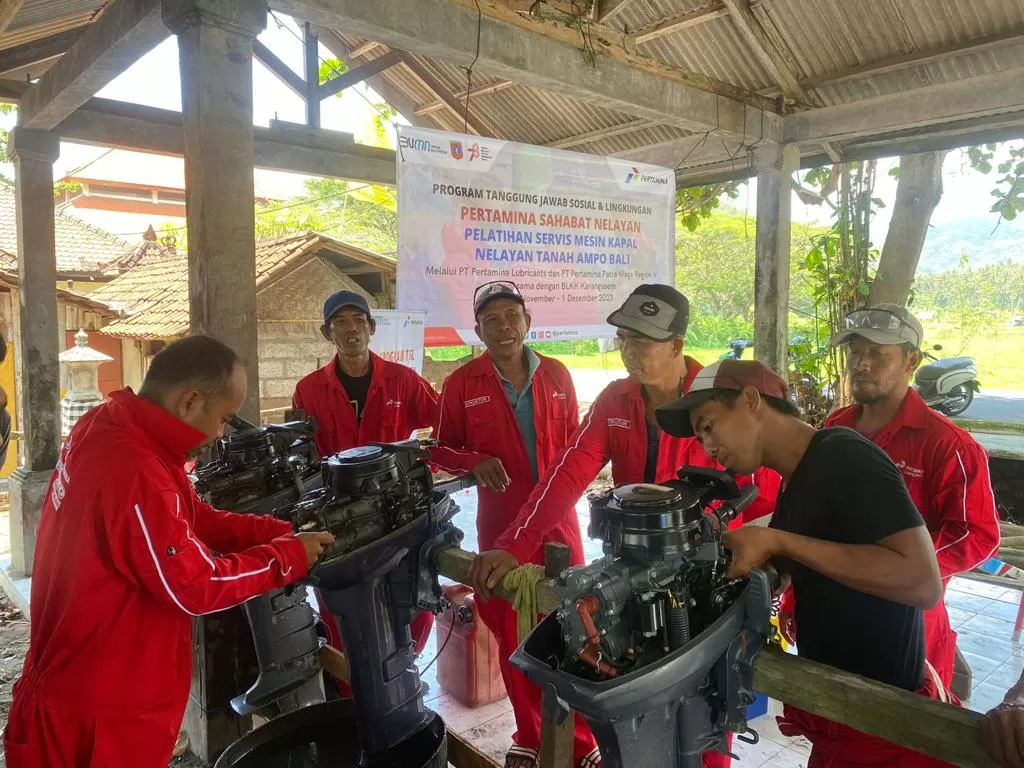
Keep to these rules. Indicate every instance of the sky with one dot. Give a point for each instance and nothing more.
(153, 81)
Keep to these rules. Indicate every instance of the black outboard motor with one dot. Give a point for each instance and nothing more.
(651, 644)
(257, 470)
(389, 521)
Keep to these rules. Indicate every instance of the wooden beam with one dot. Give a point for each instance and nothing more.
(926, 725)
(311, 78)
(38, 52)
(915, 59)
(975, 97)
(359, 74)
(539, 54)
(477, 90)
(769, 54)
(365, 48)
(126, 30)
(107, 123)
(609, 9)
(278, 68)
(674, 24)
(8, 10)
(601, 133)
(464, 112)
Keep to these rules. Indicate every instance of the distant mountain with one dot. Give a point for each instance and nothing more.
(975, 235)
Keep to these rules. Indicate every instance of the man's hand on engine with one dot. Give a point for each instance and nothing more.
(315, 543)
(488, 569)
(751, 547)
(490, 473)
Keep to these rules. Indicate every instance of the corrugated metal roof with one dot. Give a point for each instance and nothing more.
(823, 38)
(40, 12)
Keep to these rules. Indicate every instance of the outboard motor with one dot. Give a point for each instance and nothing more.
(257, 470)
(651, 644)
(389, 521)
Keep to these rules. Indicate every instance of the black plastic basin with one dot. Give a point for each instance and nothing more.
(327, 736)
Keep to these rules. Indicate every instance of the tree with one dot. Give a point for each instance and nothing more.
(917, 193)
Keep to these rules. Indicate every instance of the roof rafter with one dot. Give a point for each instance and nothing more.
(474, 122)
(537, 53)
(126, 30)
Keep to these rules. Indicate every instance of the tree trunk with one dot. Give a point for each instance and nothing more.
(918, 192)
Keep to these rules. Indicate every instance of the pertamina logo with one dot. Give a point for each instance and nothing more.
(633, 176)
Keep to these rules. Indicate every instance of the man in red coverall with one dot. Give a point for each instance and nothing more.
(505, 417)
(621, 427)
(360, 398)
(126, 554)
(945, 470)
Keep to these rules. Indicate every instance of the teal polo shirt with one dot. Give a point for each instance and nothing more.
(522, 407)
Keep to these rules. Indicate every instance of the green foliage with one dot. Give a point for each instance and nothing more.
(1009, 190)
(363, 215)
(5, 135)
(696, 204)
(331, 68)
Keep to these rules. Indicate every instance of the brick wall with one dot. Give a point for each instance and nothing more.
(290, 314)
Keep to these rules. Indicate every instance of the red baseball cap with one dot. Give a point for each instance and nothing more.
(724, 376)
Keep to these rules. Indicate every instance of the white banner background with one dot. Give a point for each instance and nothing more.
(575, 232)
(399, 337)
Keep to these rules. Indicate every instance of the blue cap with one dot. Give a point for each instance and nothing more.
(341, 299)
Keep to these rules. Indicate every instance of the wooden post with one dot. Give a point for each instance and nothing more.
(774, 165)
(38, 368)
(215, 50)
(556, 740)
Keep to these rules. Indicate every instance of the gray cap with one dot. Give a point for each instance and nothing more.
(656, 311)
(882, 324)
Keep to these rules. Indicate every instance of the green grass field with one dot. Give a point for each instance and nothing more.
(999, 352)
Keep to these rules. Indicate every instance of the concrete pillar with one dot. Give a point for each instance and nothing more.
(34, 153)
(774, 165)
(215, 50)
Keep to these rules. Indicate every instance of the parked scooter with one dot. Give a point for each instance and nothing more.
(736, 349)
(947, 385)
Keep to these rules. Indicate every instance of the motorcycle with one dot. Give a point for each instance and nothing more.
(736, 349)
(948, 385)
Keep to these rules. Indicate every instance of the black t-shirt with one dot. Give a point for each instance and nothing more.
(846, 489)
(356, 387)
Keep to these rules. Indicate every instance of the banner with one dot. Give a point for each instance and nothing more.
(576, 233)
(399, 337)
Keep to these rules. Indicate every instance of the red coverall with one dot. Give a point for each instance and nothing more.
(126, 554)
(946, 472)
(477, 421)
(399, 400)
(615, 429)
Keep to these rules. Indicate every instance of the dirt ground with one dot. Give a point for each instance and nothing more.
(13, 646)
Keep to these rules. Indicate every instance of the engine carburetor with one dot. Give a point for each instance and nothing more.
(651, 643)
